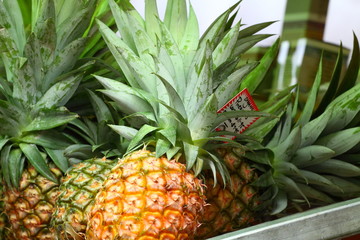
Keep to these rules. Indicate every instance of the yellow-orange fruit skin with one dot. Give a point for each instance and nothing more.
(145, 197)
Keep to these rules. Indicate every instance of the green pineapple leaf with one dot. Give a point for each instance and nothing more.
(123, 24)
(221, 117)
(244, 44)
(94, 41)
(143, 131)
(213, 33)
(227, 87)
(176, 59)
(311, 192)
(256, 76)
(200, 84)
(5, 163)
(251, 30)
(34, 156)
(191, 152)
(125, 131)
(59, 94)
(341, 141)
(333, 86)
(49, 139)
(12, 20)
(172, 152)
(58, 158)
(162, 146)
(224, 49)
(286, 148)
(215, 164)
(130, 103)
(341, 187)
(311, 155)
(288, 183)
(337, 168)
(311, 99)
(313, 129)
(190, 40)
(169, 133)
(144, 100)
(101, 110)
(82, 129)
(151, 20)
(176, 18)
(174, 97)
(11, 118)
(145, 47)
(199, 166)
(287, 124)
(64, 60)
(75, 25)
(280, 202)
(16, 159)
(202, 122)
(49, 119)
(314, 178)
(343, 109)
(352, 72)
(136, 71)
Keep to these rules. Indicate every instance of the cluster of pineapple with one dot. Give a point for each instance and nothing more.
(107, 125)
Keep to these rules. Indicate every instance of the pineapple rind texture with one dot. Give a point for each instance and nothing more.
(3, 218)
(77, 192)
(30, 207)
(145, 197)
(230, 206)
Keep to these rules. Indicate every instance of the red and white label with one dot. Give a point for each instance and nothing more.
(242, 101)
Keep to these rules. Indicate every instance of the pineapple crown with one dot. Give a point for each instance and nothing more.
(94, 139)
(311, 156)
(176, 80)
(39, 51)
(36, 87)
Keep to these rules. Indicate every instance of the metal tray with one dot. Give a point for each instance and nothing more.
(324, 223)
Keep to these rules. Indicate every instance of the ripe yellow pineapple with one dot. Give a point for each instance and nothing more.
(146, 197)
(3, 218)
(30, 207)
(176, 85)
(230, 206)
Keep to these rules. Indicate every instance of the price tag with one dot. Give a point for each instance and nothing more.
(242, 101)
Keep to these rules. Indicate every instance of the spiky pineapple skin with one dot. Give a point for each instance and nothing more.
(3, 217)
(145, 197)
(30, 207)
(77, 193)
(230, 206)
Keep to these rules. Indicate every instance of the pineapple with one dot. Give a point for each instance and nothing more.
(3, 217)
(308, 153)
(305, 160)
(176, 85)
(147, 197)
(39, 60)
(29, 207)
(230, 206)
(77, 191)
(84, 179)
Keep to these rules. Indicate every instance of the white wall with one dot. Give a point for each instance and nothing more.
(343, 16)
(250, 12)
